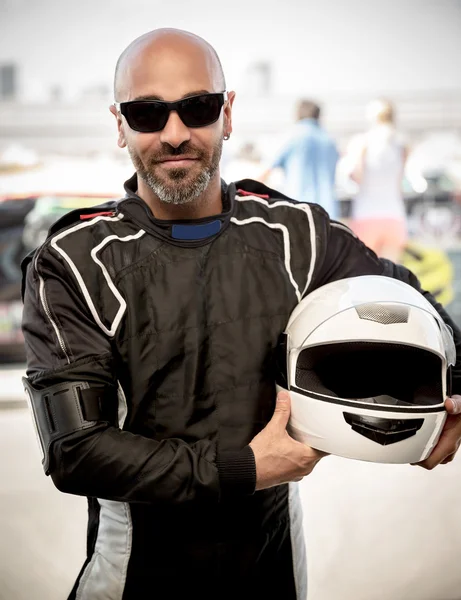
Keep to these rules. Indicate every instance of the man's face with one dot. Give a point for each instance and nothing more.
(178, 162)
(178, 175)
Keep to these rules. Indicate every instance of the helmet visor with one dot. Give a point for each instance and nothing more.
(387, 374)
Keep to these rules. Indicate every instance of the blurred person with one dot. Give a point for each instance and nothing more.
(151, 325)
(308, 161)
(378, 214)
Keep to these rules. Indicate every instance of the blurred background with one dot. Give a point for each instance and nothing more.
(374, 531)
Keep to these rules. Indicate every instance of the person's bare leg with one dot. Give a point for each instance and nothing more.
(394, 238)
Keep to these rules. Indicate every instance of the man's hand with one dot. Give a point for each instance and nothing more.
(450, 438)
(279, 458)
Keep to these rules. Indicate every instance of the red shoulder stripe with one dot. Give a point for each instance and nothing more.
(99, 214)
(245, 193)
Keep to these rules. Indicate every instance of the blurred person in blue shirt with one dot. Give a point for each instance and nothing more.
(308, 161)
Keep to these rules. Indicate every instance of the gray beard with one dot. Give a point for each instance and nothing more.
(178, 194)
(175, 190)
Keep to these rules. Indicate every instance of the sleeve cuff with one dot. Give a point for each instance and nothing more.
(237, 472)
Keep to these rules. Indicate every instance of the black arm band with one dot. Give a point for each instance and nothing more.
(65, 408)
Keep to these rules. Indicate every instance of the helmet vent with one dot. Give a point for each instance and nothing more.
(386, 314)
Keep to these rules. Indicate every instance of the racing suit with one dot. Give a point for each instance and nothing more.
(178, 322)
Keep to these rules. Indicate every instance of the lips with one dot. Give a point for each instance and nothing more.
(173, 159)
(177, 163)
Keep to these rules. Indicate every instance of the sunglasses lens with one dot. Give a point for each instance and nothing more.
(149, 116)
(146, 117)
(200, 111)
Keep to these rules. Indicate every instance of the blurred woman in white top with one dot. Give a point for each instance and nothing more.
(378, 210)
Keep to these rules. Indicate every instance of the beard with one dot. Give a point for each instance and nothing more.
(183, 185)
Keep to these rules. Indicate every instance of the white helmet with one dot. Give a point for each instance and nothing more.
(367, 363)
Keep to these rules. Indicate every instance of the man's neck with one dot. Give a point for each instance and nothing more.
(209, 203)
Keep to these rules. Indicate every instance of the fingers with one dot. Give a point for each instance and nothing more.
(432, 462)
(449, 459)
(450, 439)
(282, 410)
(444, 452)
(320, 453)
(453, 405)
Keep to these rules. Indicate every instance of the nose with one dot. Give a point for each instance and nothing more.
(175, 132)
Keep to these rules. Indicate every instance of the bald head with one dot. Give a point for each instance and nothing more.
(171, 49)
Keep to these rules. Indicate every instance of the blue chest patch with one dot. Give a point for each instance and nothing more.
(198, 231)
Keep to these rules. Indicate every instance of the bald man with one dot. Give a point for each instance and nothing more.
(152, 325)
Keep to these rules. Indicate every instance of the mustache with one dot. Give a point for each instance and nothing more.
(184, 149)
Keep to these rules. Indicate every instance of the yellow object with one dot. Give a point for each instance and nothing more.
(433, 268)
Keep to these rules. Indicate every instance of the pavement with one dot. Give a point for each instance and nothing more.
(374, 532)
(42, 532)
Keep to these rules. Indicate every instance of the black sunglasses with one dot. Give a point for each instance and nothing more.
(147, 116)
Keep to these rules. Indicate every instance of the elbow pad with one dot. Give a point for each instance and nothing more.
(64, 408)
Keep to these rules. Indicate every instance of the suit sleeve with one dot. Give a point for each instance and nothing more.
(342, 254)
(63, 343)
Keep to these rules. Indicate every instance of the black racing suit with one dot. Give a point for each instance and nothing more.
(178, 321)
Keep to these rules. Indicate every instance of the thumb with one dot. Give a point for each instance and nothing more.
(282, 410)
(453, 404)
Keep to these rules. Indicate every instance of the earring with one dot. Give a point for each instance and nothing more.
(227, 136)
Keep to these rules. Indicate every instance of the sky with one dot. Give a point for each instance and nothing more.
(322, 47)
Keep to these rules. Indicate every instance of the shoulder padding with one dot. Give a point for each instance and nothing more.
(76, 215)
(250, 186)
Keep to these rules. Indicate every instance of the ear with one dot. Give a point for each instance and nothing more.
(228, 113)
(121, 142)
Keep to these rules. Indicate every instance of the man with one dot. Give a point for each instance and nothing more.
(308, 161)
(151, 325)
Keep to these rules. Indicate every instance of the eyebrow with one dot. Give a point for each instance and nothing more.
(160, 99)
